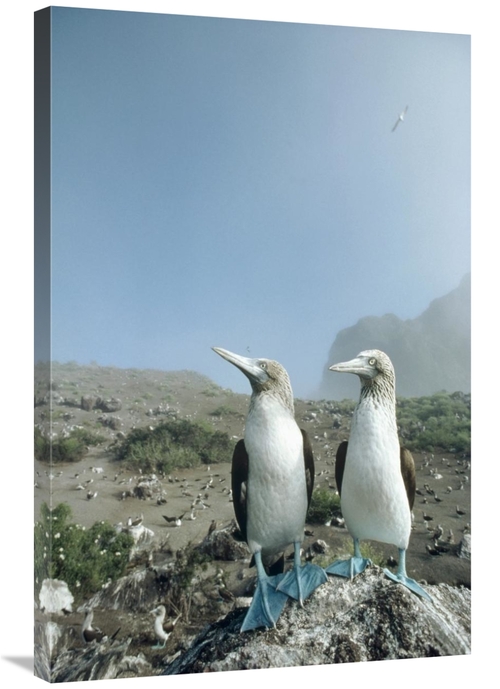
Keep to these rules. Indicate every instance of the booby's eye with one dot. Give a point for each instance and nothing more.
(263, 365)
(372, 362)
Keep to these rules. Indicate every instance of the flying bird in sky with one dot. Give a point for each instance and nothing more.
(400, 118)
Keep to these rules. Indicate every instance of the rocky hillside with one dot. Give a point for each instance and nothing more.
(430, 353)
(369, 618)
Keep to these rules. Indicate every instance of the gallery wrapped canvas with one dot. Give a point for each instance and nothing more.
(231, 215)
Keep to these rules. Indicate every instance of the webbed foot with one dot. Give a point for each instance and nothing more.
(301, 581)
(348, 568)
(409, 583)
(401, 577)
(267, 604)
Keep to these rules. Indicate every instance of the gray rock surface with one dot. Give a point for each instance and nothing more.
(370, 618)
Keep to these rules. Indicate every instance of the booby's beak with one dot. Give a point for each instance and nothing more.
(252, 368)
(360, 365)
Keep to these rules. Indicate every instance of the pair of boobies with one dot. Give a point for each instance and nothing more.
(272, 481)
(273, 475)
(375, 476)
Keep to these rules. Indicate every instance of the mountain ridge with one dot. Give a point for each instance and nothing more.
(430, 352)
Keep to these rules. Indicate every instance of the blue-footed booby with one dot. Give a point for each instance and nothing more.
(272, 481)
(162, 632)
(375, 476)
(91, 633)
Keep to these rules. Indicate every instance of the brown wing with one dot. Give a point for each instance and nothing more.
(93, 634)
(340, 464)
(308, 465)
(239, 478)
(408, 473)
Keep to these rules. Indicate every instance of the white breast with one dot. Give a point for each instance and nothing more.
(276, 489)
(159, 631)
(374, 501)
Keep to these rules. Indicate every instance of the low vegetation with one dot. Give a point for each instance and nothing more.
(224, 410)
(174, 444)
(324, 505)
(186, 579)
(442, 420)
(71, 448)
(84, 558)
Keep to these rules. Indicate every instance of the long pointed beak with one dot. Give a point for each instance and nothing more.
(250, 367)
(357, 365)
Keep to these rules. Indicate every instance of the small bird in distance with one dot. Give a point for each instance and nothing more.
(400, 118)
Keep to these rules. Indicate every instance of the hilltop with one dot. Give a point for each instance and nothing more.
(430, 353)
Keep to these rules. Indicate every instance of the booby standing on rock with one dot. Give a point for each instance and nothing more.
(162, 632)
(91, 633)
(272, 480)
(375, 476)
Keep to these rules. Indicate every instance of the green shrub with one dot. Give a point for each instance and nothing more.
(440, 421)
(324, 505)
(70, 449)
(224, 410)
(174, 444)
(84, 558)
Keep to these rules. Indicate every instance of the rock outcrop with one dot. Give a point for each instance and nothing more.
(370, 618)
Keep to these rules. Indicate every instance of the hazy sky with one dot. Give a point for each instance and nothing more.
(237, 183)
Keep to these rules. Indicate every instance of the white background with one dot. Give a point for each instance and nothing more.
(16, 44)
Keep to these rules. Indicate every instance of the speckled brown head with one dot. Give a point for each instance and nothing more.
(265, 375)
(375, 371)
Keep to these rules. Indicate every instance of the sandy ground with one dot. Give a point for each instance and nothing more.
(109, 506)
(185, 485)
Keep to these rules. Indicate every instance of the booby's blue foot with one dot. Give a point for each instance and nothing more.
(409, 583)
(350, 568)
(301, 581)
(402, 578)
(267, 604)
(159, 645)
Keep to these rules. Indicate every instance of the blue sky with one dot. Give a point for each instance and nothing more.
(236, 183)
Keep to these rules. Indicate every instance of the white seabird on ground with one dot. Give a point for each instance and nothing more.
(272, 480)
(375, 476)
(162, 632)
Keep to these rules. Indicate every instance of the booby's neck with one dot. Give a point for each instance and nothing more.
(377, 400)
(160, 616)
(379, 391)
(279, 394)
(87, 623)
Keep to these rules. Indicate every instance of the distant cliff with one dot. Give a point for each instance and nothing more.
(429, 353)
